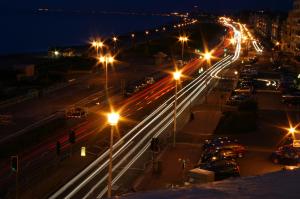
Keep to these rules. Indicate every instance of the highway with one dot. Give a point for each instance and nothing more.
(92, 181)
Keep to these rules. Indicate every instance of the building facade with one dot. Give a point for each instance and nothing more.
(291, 34)
(262, 24)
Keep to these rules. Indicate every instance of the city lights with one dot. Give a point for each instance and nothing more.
(208, 56)
(177, 75)
(113, 118)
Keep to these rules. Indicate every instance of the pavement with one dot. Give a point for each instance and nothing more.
(176, 162)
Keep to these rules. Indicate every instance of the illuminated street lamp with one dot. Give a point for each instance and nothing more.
(176, 76)
(292, 130)
(208, 56)
(132, 38)
(97, 44)
(232, 41)
(182, 40)
(115, 39)
(56, 53)
(113, 119)
(108, 59)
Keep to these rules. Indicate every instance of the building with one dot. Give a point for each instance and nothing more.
(262, 23)
(291, 38)
(277, 25)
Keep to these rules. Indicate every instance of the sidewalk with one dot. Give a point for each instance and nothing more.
(176, 162)
(173, 169)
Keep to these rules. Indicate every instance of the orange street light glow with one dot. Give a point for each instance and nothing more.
(232, 41)
(107, 59)
(183, 39)
(292, 130)
(113, 118)
(177, 75)
(102, 59)
(207, 56)
(97, 44)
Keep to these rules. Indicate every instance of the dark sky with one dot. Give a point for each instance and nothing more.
(150, 5)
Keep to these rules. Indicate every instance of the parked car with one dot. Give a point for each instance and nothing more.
(292, 98)
(222, 168)
(216, 142)
(226, 143)
(237, 99)
(287, 155)
(218, 154)
(77, 112)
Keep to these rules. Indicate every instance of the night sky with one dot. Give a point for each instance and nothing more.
(150, 5)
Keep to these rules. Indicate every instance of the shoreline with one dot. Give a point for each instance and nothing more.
(125, 24)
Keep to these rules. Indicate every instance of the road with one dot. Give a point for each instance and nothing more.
(140, 105)
(135, 107)
(92, 181)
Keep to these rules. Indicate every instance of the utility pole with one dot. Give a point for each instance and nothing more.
(15, 168)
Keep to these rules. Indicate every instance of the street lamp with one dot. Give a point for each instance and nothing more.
(115, 39)
(207, 56)
(113, 119)
(182, 40)
(176, 76)
(232, 41)
(292, 130)
(56, 53)
(97, 44)
(108, 59)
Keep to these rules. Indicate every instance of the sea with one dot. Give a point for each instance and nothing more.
(36, 31)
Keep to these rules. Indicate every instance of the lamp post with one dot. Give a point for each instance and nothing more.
(292, 130)
(182, 40)
(208, 56)
(147, 40)
(115, 39)
(232, 41)
(176, 76)
(113, 119)
(108, 59)
(97, 44)
(132, 39)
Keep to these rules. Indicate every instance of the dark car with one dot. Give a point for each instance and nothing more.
(224, 143)
(286, 155)
(77, 112)
(237, 99)
(217, 141)
(221, 154)
(222, 168)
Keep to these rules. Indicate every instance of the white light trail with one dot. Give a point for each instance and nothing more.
(185, 96)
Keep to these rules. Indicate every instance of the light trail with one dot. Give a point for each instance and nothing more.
(158, 112)
(139, 137)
